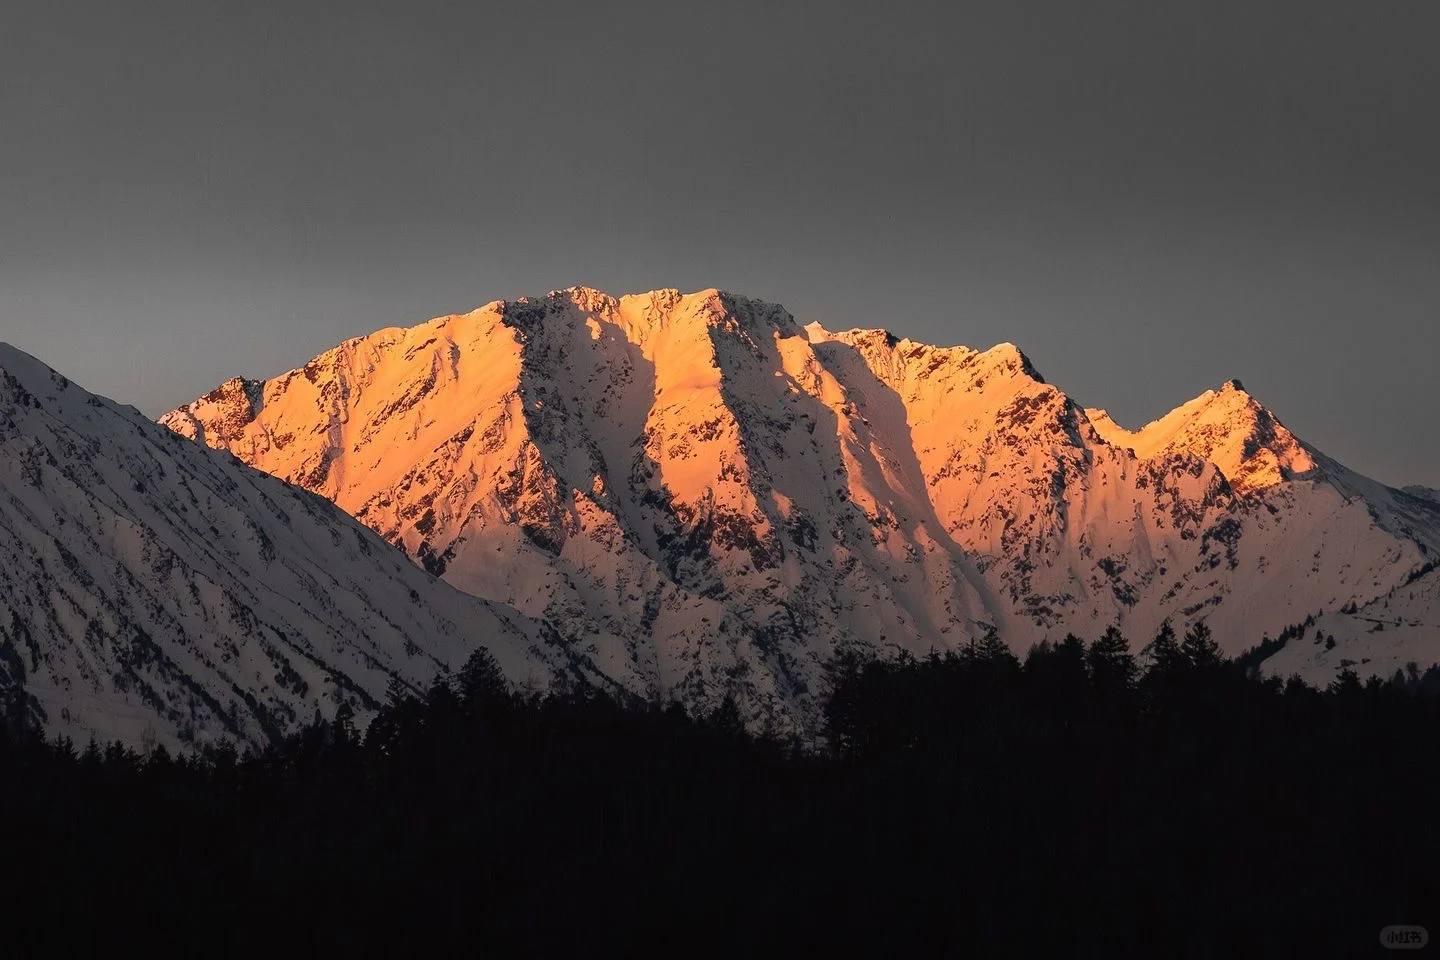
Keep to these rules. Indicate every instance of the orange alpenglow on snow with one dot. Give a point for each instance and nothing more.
(1229, 428)
(705, 497)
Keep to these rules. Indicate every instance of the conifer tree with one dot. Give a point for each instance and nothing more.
(1112, 665)
(1199, 649)
(397, 691)
(1071, 654)
(1163, 653)
(481, 680)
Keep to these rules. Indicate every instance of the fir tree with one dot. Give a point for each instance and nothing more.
(1163, 653)
(481, 680)
(1199, 649)
(1112, 665)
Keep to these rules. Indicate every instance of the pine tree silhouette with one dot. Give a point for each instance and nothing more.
(1112, 665)
(1199, 649)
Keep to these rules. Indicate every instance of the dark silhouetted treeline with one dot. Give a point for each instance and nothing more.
(1090, 800)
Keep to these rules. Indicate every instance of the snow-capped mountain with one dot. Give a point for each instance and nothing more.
(708, 498)
(154, 590)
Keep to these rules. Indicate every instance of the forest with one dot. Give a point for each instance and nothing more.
(1159, 801)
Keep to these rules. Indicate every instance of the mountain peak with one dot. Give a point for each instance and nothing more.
(1228, 427)
(1009, 353)
(651, 310)
(586, 298)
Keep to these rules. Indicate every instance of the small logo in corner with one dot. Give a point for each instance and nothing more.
(1401, 937)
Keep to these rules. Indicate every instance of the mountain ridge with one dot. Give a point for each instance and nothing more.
(719, 497)
(157, 591)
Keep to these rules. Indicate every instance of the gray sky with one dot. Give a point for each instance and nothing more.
(1149, 197)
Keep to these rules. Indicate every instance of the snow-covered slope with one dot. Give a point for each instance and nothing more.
(714, 498)
(1079, 524)
(678, 481)
(1425, 493)
(1382, 636)
(153, 589)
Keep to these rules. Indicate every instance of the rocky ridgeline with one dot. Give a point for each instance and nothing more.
(707, 499)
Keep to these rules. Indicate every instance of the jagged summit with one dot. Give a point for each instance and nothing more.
(913, 352)
(1228, 427)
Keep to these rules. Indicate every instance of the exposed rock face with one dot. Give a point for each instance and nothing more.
(707, 498)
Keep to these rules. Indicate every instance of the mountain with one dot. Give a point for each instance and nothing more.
(708, 498)
(1424, 493)
(154, 590)
(1229, 428)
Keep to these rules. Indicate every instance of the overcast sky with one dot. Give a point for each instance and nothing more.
(1148, 197)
